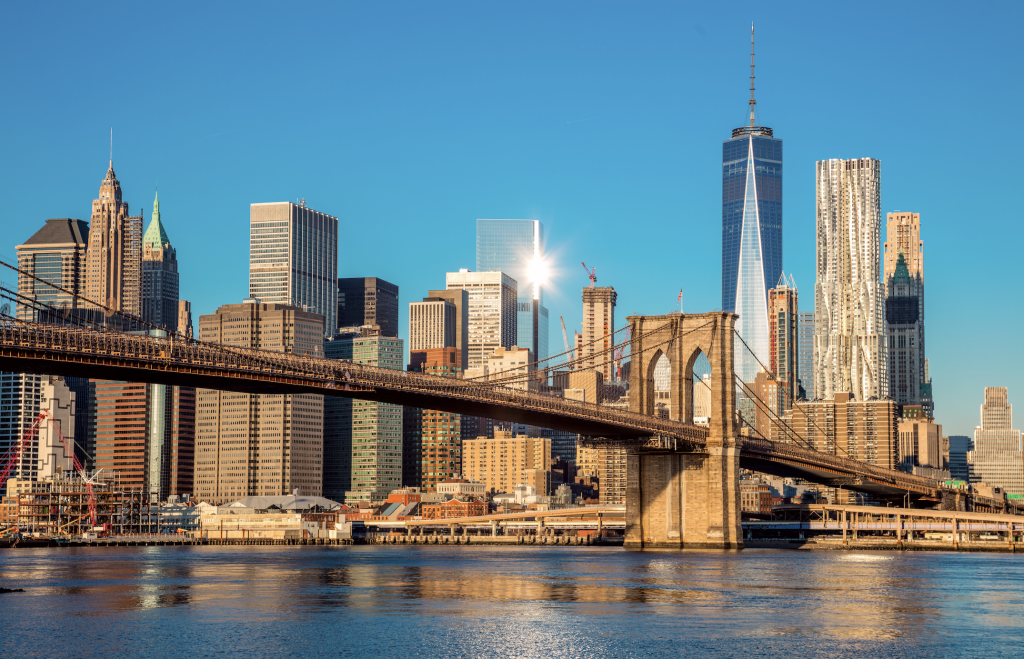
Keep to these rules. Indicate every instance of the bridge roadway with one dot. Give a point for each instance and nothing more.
(77, 352)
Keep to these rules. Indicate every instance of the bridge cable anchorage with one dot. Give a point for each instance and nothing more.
(829, 436)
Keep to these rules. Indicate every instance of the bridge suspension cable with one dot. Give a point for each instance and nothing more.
(749, 391)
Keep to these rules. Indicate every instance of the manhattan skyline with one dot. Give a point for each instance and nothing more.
(609, 135)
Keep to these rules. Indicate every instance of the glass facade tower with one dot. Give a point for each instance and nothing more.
(512, 247)
(751, 231)
(751, 234)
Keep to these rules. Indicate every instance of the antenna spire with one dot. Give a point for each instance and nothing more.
(111, 147)
(752, 101)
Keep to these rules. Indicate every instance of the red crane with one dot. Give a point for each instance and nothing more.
(80, 469)
(592, 273)
(10, 458)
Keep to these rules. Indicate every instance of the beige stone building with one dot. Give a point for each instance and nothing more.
(903, 234)
(506, 461)
(843, 426)
(114, 258)
(513, 364)
(920, 440)
(259, 444)
(598, 325)
(432, 324)
(491, 315)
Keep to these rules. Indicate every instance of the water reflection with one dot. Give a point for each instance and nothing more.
(515, 601)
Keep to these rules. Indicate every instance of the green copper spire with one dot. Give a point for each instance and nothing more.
(901, 275)
(155, 234)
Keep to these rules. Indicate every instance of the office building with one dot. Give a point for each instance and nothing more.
(113, 275)
(159, 275)
(784, 338)
(512, 367)
(185, 318)
(368, 301)
(806, 355)
(56, 254)
(146, 434)
(608, 466)
(844, 426)
(293, 258)
(904, 315)
(959, 447)
(492, 312)
(598, 343)
(432, 324)
(259, 444)
(903, 236)
(516, 247)
(920, 440)
(850, 333)
(22, 398)
(365, 433)
(751, 231)
(460, 299)
(506, 461)
(997, 459)
(432, 440)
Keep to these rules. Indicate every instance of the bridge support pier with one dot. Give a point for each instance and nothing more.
(684, 500)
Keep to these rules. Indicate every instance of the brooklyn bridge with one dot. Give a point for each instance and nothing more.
(682, 478)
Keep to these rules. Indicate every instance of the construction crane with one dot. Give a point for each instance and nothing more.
(565, 340)
(10, 459)
(617, 355)
(592, 273)
(68, 450)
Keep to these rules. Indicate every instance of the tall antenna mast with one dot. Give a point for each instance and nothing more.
(752, 101)
(111, 146)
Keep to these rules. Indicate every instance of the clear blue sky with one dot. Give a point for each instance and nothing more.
(604, 120)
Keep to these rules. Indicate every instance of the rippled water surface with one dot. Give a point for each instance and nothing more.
(508, 601)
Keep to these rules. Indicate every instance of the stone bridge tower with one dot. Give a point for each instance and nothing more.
(685, 498)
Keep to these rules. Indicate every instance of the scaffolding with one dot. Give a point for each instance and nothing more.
(60, 507)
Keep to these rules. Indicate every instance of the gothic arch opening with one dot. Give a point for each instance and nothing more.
(697, 379)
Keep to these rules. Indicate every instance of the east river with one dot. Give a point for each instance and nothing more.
(420, 602)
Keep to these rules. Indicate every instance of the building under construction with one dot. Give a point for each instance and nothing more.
(61, 506)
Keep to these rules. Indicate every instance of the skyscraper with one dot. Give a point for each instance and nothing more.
(369, 432)
(598, 326)
(751, 230)
(368, 301)
(114, 257)
(904, 315)
(432, 324)
(159, 275)
(56, 254)
(259, 444)
(997, 459)
(293, 258)
(904, 311)
(432, 442)
(783, 338)
(850, 335)
(516, 247)
(460, 298)
(146, 434)
(806, 349)
(492, 311)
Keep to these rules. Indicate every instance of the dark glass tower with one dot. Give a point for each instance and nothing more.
(751, 225)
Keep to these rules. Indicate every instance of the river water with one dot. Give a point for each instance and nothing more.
(374, 601)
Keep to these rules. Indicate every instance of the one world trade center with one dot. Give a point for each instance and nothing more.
(751, 231)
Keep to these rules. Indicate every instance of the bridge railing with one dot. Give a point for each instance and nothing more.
(786, 449)
(321, 372)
